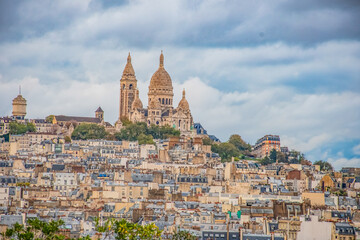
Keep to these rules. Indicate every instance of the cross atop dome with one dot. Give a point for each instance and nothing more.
(161, 59)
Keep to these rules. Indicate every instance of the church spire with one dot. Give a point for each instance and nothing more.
(184, 93)
(128, 70)
(161, 59)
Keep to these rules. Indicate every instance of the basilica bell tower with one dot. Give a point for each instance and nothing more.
(128, 86)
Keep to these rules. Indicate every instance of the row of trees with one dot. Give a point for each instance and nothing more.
(144, 134)
(111, 228)
(293, 157)
(131, 131)
(18, 128)
(236, 147)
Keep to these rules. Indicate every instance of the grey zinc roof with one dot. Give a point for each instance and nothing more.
(344, 228)
(63, 118)
(57, 167)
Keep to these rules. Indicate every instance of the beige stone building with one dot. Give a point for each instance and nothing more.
(160, 109)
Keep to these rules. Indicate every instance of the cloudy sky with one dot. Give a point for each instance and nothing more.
(249, 67)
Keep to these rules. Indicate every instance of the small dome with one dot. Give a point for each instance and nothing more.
(154, 104)
(137, 102)
(161, 79)
(183, 104)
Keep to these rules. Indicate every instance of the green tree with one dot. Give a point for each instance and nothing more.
(132, 131)
(119, 229)
(183, 235)
(125, 121)
(272, 155)
(145, 139)
(124, 230)
(31, 127)
(239, 143)
(49, 118)
(324, 166)
(294, 156)
(19, 128)
(225, 150)
(206, 141)
(281, 157)
(35, 229)
(88, 131)
(265, 161)
(67, 139)
(110, 137)
(162, 132)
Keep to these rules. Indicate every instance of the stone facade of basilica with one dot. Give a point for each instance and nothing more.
(160, 110)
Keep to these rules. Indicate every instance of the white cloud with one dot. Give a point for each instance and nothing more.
(339, 163)
(356, 149)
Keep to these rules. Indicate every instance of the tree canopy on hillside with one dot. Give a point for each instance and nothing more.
(20, 128)
(88, 131)
(239, 143)
(225, 150)
(324, 166)
(49, 118)
(234, 147)
(141, 132)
